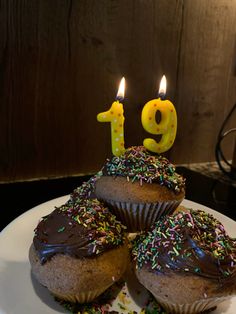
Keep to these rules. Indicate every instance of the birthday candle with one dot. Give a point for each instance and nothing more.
(167, 127)
(115, 115)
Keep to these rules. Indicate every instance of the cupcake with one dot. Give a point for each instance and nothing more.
(140, 187)
(187, 261)
(79, 250)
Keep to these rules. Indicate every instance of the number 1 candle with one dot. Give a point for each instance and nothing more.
(167, 126)
(116, 117)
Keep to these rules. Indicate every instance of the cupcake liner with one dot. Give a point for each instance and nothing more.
(80, 297)
(196, 307)
(140, 216)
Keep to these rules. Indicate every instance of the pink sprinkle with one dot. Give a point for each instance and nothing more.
(173, 229)
(221, 227)
(191, 218)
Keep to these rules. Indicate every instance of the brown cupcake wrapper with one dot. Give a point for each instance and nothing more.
(81, 297)
(196, 307)
(140, 216)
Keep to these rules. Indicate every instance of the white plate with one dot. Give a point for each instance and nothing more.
(21, 294)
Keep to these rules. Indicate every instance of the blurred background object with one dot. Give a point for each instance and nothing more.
(227, 167)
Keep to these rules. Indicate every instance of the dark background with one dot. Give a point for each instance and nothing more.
(61, 62)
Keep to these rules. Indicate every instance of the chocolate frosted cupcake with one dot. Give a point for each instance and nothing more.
(79, 250)
(187, 261)
(140, 187)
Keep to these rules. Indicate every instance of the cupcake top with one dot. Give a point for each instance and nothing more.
(85, 191)
(84, 229)
(190, 242)
(137, 164)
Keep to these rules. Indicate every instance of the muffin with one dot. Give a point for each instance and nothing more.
(187, 261)
(140, 187)
(79, 250)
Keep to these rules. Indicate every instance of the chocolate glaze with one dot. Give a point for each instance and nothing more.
(67, 230)
(193, 243)
(200, 262)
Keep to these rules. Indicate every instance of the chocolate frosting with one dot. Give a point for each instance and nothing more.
(190, 242)
(137, 164)
(79, 230)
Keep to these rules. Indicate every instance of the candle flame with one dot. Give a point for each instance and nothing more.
(162, 88)
(121, 91)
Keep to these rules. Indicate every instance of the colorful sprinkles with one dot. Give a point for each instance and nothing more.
(80, 228)
(137, 164)
(85, 190)
(191, 241)
(104, 228)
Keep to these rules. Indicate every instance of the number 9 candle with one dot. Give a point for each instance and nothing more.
(116, 117)
(167, 126)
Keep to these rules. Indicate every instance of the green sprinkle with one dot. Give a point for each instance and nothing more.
(61, 229)
(122, 307)
(176, 252)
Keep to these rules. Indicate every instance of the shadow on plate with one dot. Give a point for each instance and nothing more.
(19, 293)
(45, 296)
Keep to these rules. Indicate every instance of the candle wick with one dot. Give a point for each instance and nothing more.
(119, 98)
(161, 95)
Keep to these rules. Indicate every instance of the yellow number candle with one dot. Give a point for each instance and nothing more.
(116, 117)
(167, 126)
